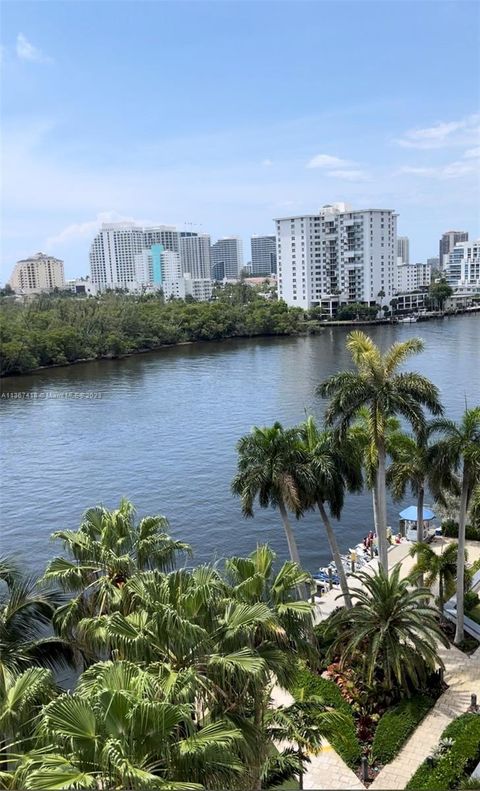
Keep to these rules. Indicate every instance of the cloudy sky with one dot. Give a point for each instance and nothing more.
(219, 116)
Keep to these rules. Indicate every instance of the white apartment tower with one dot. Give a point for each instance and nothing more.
(112, 255)
(227, 258)
(195, 254)
(337, 256)
(463, 267)
(38, 273)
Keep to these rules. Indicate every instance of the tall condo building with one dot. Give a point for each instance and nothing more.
(337, 256)
(166, 235)
(463, 267)
(155, 266)
(112, 255)
(264, 255)
(403, 249)
(447, 243)
(227, 258)
(38, 273)
(195, 254)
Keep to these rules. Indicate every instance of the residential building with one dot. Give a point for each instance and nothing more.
(434, 262)
(81, 286)
(156, 265)
(38, 273)
(463, 267)
(227, 258)
(413, 276)
(195, 254)
(337, 256)
(447, 243)
(403, 249)
(412, 301)
(264, 255)
(112, 255)
(166, 235)
(198, 288)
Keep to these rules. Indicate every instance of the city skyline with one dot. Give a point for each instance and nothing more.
(86, 138)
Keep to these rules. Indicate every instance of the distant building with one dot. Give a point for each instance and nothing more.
(413, 276)
(112, 255)
(463, 267)
(156, 265)
(195, 254)
(39, 273)
(447, 243)
(198, 288)
(336, 256)
(434, 262)
(81, 286)
(264, 255)
(166, 235)
(227, 258)
(403, 249)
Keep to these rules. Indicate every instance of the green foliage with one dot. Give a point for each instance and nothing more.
(439, 292)
(51, 330)
(356, 311)
(310, 686)
(396, 725)
(450, 530)
(456, 762)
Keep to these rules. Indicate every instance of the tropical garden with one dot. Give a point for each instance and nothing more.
(128, 666)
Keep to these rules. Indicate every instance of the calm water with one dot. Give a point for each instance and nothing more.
(163, 431)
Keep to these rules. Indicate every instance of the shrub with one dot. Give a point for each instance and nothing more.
(396, 725)
(307, 685)
(457, 762)
(471, 600)
(450, 530)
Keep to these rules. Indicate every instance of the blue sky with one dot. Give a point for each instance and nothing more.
(227, 114)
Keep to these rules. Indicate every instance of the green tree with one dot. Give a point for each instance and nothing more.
(439, 291)
(458, 451)
(391, 634)
(438, 567)
(377, 385)
(335, 467)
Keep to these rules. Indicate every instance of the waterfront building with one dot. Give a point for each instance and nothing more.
(412, 276)
(264, 255)
(38, 273)
(227, 258)
(112, 255)
(411, 301)
(195, 254)
(447, 243)
(403, 249)
(337, 256)
(463, 266)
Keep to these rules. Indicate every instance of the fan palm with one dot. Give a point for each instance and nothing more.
(107, 549)
(438, 567)
(391, 633)
(272, 467)
(21, 703)
(377, 385)
(458, 451)
(27, 609)
(335, 467)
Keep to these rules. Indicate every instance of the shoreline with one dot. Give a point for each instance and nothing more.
(316, 328)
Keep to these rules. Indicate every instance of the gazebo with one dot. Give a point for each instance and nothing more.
(409, 520)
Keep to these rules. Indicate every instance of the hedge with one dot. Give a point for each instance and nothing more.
(308, 684)
(395, 726)
(456, 762)
(450, 530)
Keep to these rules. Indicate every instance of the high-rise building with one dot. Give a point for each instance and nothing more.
(166, 235)
(463, 267)
(112, 255)
(412, 276)
(434, 262)
(40, 272)
(337, 256)
(403, 249)
(195, 254)
(264, 255)
(227, 258)
(447, 243)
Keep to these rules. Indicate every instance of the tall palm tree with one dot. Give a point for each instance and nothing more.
(438, 567)
(377, 384)
(335, 467)
(459, 451)
(272, 467)
(391, 633)
(108, 549)
(27, 610)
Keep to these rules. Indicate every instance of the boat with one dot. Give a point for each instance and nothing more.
(408, 320)
(408, 524)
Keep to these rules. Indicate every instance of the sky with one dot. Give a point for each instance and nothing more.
(220, 116)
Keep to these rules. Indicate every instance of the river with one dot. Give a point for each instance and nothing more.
(161, 429)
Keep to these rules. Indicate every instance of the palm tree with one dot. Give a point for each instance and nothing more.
(108, 549)
(272, 467)
(438, 567)
(335, 467)
(378, 385)
(459, 451)
(391, 633)
(21, 703)
(27, 610)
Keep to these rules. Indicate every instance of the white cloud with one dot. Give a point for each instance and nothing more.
(86, 230)
(442, 134)
(27, 51)
(350, 175)
(267, 163)
(326, 161)
(453, 170)
(472, 153)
